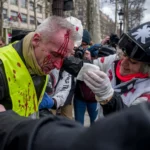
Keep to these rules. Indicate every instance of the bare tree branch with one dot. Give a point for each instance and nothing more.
(135, 11)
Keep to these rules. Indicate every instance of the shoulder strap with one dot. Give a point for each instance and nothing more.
(71, 93)
(59, 77)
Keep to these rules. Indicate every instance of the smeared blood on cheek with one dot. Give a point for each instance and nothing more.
(47, 59)
(47, 63)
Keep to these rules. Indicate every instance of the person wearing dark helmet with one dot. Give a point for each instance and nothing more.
(121, 82)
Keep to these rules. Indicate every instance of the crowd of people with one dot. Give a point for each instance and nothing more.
(46, 88)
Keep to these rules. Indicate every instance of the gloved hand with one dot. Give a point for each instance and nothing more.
(47, 102)
(99, 83)
(72, 65)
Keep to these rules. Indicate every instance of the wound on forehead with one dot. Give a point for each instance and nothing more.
(63, 48)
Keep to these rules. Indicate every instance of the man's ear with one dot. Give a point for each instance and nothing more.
(36, 39)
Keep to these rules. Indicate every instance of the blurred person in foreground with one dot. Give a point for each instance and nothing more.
(127, 130)
(25, 64)
(120, 82)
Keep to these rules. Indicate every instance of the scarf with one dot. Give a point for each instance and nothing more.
(130, 76)
(29, 56)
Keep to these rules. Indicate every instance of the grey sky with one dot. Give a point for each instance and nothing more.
(110, 10)
(147, 12)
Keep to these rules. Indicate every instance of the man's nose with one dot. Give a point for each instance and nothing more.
(58, 63)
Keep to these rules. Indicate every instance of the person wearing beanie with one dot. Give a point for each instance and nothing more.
(86, 39)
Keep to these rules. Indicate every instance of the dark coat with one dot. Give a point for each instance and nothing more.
(127, 130)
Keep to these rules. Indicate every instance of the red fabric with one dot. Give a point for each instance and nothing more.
(77, 28)
(147, 95)
(87, 93)
(110, 75)
(130, 76)
(19, 16)
(102, 59)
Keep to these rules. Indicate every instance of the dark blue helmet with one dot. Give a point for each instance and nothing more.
(136, 43)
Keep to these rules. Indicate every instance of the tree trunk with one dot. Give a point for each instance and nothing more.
(94, 20)
(1, 18)
(88, 16)
(57, 8)
(35, 16)
(126, 16)
(116, 13)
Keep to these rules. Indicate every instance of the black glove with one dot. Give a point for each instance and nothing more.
(72, 65)
(44, 113)
(106, 50)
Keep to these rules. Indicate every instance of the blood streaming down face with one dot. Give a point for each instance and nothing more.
(55, 51)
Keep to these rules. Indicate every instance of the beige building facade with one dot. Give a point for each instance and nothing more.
(107, 25)
(25, 8)
(98, 24)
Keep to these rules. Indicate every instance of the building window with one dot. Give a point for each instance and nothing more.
(14, 16)
(5, 13)
(14, 2)
(31, 6)
(39, 8)
(24, 3)
(24, 18)
(32, 20)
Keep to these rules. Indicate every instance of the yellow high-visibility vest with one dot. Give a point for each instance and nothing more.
(21, 88)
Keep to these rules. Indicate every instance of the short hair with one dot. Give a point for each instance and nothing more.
(2, 39)
(52, 25)
(146, 69)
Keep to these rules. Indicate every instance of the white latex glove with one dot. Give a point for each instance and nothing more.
(99, 83)
(86, 67)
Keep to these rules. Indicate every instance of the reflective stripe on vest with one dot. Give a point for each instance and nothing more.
(21, 88)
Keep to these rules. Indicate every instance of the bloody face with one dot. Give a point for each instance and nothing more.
(50, 55)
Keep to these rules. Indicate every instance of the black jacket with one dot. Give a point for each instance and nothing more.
(4, 91)
(127, 130)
